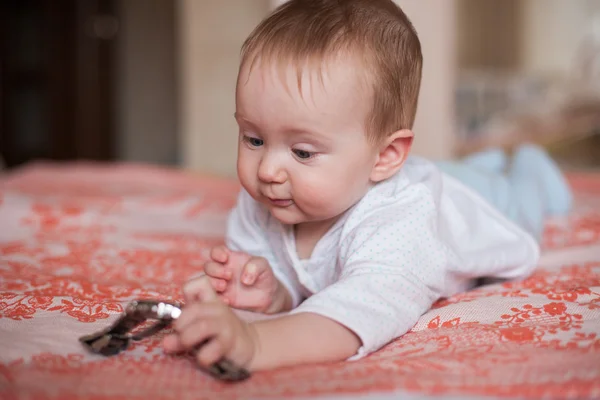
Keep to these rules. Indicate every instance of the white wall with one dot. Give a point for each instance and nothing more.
(435, 22)
(552, 31)
(211, 33)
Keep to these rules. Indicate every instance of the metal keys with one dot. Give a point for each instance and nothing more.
(117, 338)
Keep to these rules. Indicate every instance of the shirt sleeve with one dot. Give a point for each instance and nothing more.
(392, 265)
(247, 232)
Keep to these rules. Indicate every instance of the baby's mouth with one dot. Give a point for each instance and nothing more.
(280, 202)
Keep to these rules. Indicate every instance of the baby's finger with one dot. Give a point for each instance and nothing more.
(252, 270)
(219, 285)
(220, 254)
(198, 332)
(210, 353)
(172, 344)
(199, 289)
(217, 270)
(195, 312)
(191, 292)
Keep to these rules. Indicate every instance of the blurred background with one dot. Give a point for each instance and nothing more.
(153, 81)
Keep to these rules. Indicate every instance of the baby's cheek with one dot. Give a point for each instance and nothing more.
(246, 170)
(343, 193)
(323, 194)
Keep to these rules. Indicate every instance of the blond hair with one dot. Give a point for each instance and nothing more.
(377, 32)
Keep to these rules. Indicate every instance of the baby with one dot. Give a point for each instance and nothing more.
(338, 233)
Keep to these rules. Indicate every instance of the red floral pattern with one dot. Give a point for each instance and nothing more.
(77, 242)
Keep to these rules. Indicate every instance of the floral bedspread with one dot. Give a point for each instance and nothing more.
(78, 241)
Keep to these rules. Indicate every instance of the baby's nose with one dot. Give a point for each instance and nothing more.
(271, 171)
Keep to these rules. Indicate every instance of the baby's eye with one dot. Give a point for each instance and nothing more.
(303, 154)
(254, 142)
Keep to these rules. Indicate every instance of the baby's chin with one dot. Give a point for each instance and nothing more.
(294, 216)
(288, 215)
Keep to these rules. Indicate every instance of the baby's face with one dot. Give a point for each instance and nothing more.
(303, 154)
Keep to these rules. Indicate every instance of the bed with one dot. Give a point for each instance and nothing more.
(78, 241)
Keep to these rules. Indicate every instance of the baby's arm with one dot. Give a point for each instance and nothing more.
(301, 339)
(281, 341)
(353, 317)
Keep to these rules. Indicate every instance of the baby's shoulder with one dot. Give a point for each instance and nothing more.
(399, 203)
(416, 183)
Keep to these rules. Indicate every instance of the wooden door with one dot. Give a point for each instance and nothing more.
(57, 79)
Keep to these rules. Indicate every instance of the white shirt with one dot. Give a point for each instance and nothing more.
(419, 236)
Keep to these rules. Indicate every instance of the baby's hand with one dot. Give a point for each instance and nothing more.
(244, 282)
(208, 322)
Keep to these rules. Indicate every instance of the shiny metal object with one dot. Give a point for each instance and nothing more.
(117, 338)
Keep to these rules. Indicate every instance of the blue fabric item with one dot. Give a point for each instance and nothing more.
(529, 190)
(533, 163)
(491, 160)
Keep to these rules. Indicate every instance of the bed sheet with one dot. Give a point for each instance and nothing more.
(78, 241)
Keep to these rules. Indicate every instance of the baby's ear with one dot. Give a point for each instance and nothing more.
(392, 154)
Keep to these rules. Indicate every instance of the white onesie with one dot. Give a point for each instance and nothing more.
(412, 239)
